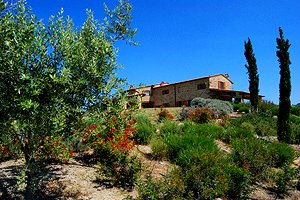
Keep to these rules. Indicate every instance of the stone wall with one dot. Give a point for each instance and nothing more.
(214, 82)
(179, 94)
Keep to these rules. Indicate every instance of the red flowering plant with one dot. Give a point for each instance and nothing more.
(110, 133)
(200, 115)
(164, 114)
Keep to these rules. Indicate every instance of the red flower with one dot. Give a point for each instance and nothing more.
(5, 151)
(71, 153)
(114, 119)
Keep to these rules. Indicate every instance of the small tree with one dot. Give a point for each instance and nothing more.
(50, 75)
(253, 75)
(283, 124)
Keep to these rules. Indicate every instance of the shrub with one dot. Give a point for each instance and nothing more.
(211, 130)
(251, 154)
(169, 127)
(295, 110)
(119, 170)
(200, 115)
(155, 189)
(283, 180)
(266, 106)
(207, 179)
(274, 111)
(239, 182)
(264, 124)
(164, 114)
(282, 154)
(184, 114)
(237, 106)
(244, 109)
(188, 148)
(295, 136)
(159, 148)
(144, 129)
(221, 108)
(295, 119)
(232, 133)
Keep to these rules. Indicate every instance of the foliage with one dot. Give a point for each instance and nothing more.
(284, 129)
(159, 148)
(237, 106)
(144, 129)
(200, 115)
(158, 190)
(219, 107)
(184, 114)
(283, 180)
(295, 110)
(232, 133)
(253, 75)
(169, 128)
(263, 123)
(119, 169)
(51, 74)
(211, 130)
(244, 109)
(282, 154)
(265, 106)
(252, 155)
(164, 114)
(295, 137)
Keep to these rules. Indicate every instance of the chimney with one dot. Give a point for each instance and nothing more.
(227, 76)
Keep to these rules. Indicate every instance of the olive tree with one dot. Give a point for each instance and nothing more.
(51, 74)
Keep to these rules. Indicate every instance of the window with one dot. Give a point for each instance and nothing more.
(221, 85)
(147, 92)
(201, 86)
(165, 92)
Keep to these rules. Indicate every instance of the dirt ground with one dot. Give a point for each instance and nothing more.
(77, 180)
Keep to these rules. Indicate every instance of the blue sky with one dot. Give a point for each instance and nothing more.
(186, 39)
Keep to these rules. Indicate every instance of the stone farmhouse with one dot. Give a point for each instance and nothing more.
(217, 86)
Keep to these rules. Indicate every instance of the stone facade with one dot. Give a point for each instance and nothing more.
(182, 93)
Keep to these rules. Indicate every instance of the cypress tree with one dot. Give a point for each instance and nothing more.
(283, 124)
(253, 75)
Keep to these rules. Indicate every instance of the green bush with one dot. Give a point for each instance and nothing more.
(244, 109)
(207, 179)
(295, 110)
(232, 133)
(282, 154)
(169, 127)
(239, 182)
(120, 170)
(213, 176)
(295, 119)
(274, 111)
(266, 106)
(144, 129)
(211, 130)
(221, 108)
(159, 148)
(295, 136)
(237, 106)
(251, 154)
(188, 148)
(284, 180)
(157, 190)
(264, 124)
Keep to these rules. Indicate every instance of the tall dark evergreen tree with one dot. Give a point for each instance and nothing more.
(253, 75)
(283, 124)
